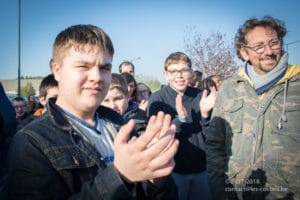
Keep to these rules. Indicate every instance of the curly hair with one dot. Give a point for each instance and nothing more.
(267, 21)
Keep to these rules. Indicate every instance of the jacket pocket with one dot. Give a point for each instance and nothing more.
(69, 157)
(234, 114)
(285, 123)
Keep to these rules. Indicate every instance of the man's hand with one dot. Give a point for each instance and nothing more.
(207, 102)
(143, 105)
(149, 156)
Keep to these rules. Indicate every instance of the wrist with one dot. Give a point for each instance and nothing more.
(182, 119)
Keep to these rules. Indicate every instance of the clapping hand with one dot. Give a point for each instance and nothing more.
(150, 156)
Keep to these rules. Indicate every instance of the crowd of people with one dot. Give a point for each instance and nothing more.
(102, 135)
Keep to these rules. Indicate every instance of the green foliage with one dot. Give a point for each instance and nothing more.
(151, 82)
(27, 90)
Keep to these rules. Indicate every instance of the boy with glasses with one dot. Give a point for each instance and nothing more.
(253, 137)
(182, 103)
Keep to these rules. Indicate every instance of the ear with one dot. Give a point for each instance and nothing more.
(43, 101)
(56, 69)
(244, 53)
(166, 75)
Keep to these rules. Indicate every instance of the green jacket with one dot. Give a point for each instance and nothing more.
(253, 142)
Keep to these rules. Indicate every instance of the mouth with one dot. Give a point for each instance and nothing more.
(93, 89)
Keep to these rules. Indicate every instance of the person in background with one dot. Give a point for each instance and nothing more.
(117, 99)
(47, 89)
(80, 150)
(182, 103)
(31, 105)
(217, 79)
(143, 93)
(252, 140)
(196, 79)
(207, 83)
(19, 105)
(127, 67)
(8, 124)
(132, 86)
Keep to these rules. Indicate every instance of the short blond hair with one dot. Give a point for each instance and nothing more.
(177, 57)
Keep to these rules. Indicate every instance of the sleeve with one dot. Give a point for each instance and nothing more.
(32, 176)
(167, 190)
(214, 132)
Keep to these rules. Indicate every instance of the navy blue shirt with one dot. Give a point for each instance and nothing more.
(190, 157)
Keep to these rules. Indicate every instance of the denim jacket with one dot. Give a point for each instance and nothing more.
(50, 159)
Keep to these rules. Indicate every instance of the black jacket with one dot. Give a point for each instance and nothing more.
(190, 157)
(49, 159)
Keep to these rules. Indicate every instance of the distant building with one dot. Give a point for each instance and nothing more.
(11, 85)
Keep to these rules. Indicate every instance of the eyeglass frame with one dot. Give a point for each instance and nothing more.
(182, 72)
(263, 46)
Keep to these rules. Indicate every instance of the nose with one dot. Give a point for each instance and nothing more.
(268, 50)
(95, 74)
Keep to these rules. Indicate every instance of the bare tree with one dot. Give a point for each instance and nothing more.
(212, 55)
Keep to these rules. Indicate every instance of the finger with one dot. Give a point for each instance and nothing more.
(163, 159)
(162, 144)
(124, 133)
(173, 127)
(166, 124)
(164, 162)
(153, 128)
(213, 91)
(164, 171)
(179, 106)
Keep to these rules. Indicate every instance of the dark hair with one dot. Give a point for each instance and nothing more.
(267, 21)
(197, 77)
(125, 63)
(129, 78)
(47, 83)
(118, 82)
(19, 99)
(149, 89)
(207, 83)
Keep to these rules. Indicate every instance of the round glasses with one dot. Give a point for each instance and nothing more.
(183, 72)
(260, 48)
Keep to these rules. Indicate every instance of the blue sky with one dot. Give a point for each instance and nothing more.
(149, 29)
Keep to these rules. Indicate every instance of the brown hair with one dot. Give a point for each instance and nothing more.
(177, 57)
(78, 36)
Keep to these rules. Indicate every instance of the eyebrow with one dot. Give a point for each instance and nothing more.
(89, 64)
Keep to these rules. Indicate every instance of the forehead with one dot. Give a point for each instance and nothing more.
(180, 65)
(16, 102)
(261, 34)
(114, 92)
(142, 87)
(127, 66)
(86, 52)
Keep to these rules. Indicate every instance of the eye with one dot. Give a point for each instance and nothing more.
(258, 47)
(106, 68)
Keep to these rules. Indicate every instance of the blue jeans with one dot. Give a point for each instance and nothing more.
(192, 186)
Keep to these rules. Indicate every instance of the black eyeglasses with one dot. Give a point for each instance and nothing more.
(260, 48)
(183, 72)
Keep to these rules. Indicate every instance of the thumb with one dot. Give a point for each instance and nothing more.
(124, 133)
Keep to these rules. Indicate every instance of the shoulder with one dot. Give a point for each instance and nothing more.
(111, 115)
